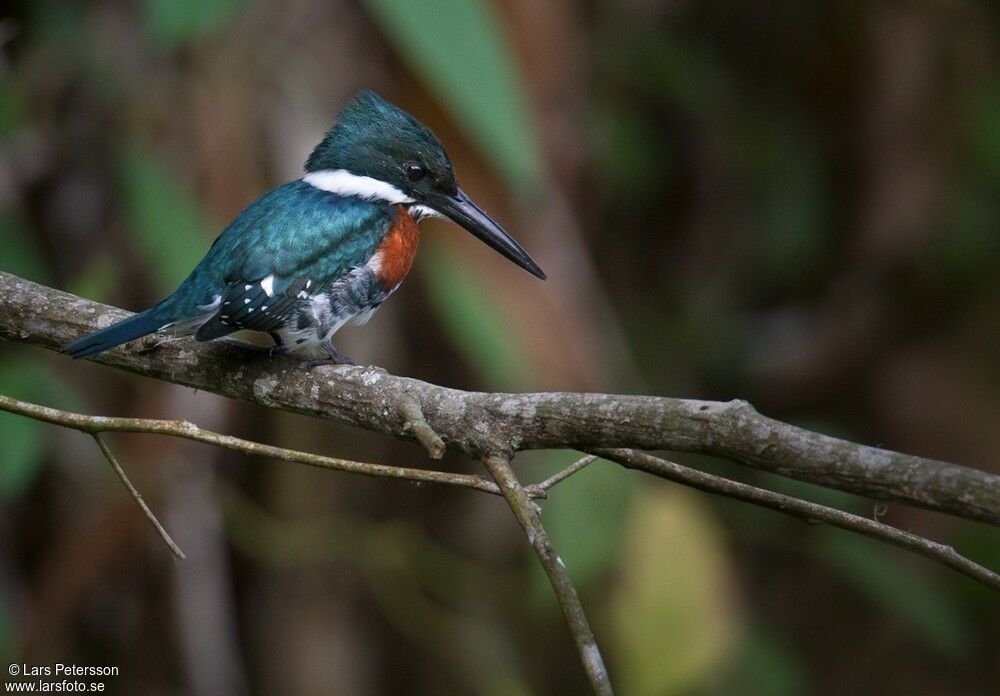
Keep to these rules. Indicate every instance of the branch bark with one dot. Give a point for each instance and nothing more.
(137, 496)
(485, 423)
(492, 427)
(526, 512)
(95, 425)
(803, 509)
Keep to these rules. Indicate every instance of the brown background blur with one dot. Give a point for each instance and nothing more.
(789, 202)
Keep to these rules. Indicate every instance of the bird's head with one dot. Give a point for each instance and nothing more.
(378, 151)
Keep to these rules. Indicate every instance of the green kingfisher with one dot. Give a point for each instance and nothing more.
(324, 250)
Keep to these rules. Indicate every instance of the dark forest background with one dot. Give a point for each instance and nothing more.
(790, 202)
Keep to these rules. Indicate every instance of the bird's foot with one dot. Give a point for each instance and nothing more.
(334, 357)
(149, 343)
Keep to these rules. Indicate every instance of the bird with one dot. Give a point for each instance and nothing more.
(323, 250)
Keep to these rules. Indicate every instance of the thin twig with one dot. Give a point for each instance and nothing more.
(101, 424)
(526, 512)
(538, 489)
(137, 496)
(803, 509)
(415, 423)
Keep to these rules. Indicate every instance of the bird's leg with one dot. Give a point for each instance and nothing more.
(334, 356)
(279, 347)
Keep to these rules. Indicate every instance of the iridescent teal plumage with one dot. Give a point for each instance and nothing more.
(326, 249)
(296, 233)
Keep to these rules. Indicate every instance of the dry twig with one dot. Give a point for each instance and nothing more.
(803, 509)
(526, 512)
(93, 425)
(137, 496)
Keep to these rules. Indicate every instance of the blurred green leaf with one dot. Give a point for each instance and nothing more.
(691, 75)
(164, 216)
(474, 322)
(12, 109)
(985, 133)
(632, 167)
(173, 23)
(585, 515)
(766, 665)
(671, 613)
(6, 632)
(978, 542)
(790, 242)
(459, 48)
(19, 252)
(879, 574)
(967, 252)
(98, 280)
(22, 449)
(22, 440)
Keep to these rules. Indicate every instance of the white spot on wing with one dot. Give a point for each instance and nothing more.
(344, 183)
(267, 285)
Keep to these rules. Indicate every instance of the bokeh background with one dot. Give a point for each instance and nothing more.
(790, 202)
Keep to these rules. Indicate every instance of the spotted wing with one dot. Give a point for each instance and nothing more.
(263, 306)
(294, 239)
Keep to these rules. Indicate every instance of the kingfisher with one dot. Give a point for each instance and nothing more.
(325, 250)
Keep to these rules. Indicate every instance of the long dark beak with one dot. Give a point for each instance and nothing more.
(461, 210)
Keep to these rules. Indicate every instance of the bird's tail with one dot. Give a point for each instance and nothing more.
(136, 326)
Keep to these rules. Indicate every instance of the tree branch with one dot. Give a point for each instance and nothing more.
(526, 512)
(137, 496)
(479, 423)
(414, 422)
(538, 490)
(491, 427)
(801, 508)
(94, 425)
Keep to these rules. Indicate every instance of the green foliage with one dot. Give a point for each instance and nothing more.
(985, 133)
(585, 515)
(672, 616)
(6, 633)
(19, 250)
(172, 23)
(98, 280)
(967, 253)
(460, 50)
(23, 441)
(473, 319)
(630, 167)
(163, 215)
(879, 573)
(767, 666)
(12, 108)
(791, 240)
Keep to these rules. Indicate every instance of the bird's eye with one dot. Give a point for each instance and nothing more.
(414, 172)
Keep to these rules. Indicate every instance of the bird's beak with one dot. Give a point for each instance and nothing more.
(461, 210)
